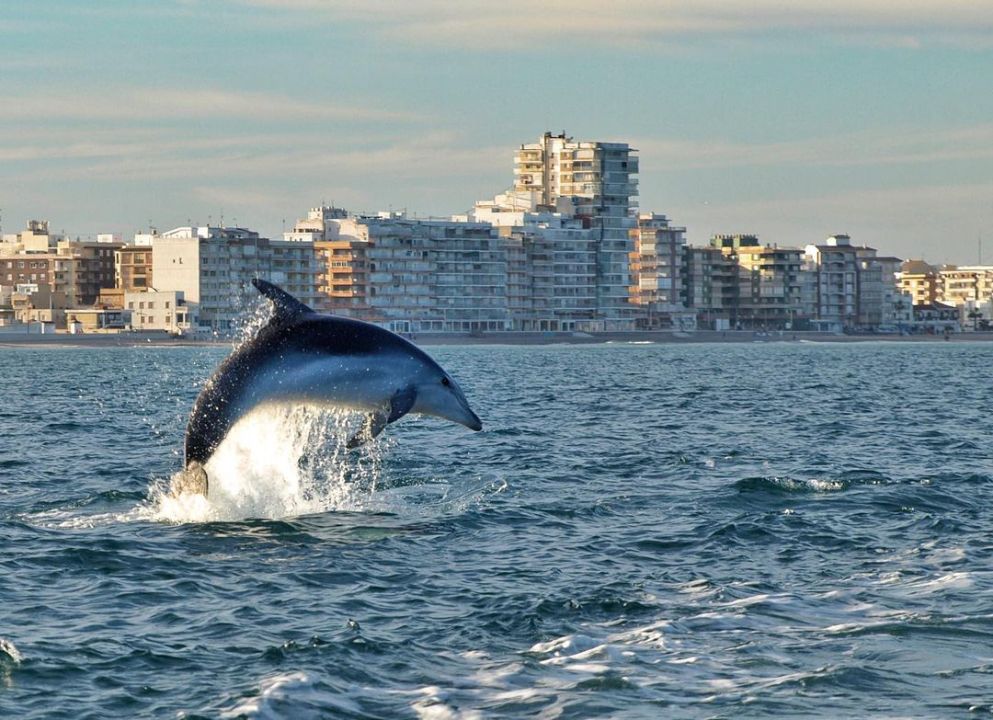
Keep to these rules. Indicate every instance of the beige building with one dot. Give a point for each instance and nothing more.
(33, 303)
(133, 268)
(161, 310)
(35, 238)
(343, 278)
(93, 319)
(919, 280)
(79, 270)
(961, 285)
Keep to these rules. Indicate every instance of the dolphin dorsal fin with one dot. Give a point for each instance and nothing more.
(285, 306)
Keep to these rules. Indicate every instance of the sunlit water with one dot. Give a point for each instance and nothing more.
(640, 531)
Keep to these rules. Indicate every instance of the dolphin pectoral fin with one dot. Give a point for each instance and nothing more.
(192, 481)
(401, 403)
(374, 424)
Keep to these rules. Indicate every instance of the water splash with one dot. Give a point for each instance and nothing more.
(253, 316)
(10, 660)
(280, 462)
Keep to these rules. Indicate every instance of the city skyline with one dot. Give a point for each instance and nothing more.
(864, 118)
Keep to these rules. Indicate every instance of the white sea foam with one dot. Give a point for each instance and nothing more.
(281, 462)
(281, 692)
(8, 650)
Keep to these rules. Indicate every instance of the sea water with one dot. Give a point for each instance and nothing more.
(640, 531)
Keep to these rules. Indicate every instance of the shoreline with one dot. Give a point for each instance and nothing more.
(133, 340)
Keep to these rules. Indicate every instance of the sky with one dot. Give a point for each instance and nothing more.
(789, 119)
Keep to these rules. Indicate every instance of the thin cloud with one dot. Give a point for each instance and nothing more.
(852, 150)
(140, 104)
(520, 23)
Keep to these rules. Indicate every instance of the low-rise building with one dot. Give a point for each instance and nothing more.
(38, 303)
(161, 310)
(84, 320)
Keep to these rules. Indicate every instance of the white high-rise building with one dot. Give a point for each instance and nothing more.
(551, 263)
(593, 182)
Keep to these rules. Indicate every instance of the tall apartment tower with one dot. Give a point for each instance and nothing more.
(594, 182)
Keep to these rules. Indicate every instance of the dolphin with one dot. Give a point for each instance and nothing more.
(304, 357)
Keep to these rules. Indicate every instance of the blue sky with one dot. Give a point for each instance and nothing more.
(792, 120)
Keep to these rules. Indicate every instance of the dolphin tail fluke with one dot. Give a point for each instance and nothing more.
(191, 481)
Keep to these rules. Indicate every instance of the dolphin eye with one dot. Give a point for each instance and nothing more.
(446, 382)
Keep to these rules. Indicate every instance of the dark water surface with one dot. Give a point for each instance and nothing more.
(640, 531)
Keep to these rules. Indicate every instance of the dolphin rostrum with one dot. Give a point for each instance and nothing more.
(309, 358)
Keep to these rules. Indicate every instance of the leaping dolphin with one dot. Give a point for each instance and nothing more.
(309, 358)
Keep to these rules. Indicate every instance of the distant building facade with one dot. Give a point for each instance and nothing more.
(212, 267)
(657, 270)
(919, 280)
(133, 268)
(594, 182)
(421, 275)
(165, 310)
(835, 267)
